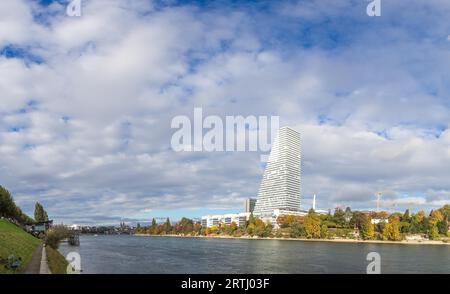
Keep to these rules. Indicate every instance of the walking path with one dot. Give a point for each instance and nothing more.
(38, 263)
(44, 270)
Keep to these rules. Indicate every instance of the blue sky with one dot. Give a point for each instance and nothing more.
(86, 103)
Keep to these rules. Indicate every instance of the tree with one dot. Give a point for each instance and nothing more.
(7, 205)
(297, 230)
(323, 231)
(406, 217)
(339, 217)
(233, 227)
(268, 229)
(40, 215)
(153, 229)
(213, 230)
(367, 229)
(358, 219)
(419, 217)
(435, 218)
(433, 233)
(223, 228)
(251, 219)
(445, 210)
(348, 214)
(250, 229)
(312, 225)
(167, 226)
(443, 227)
(391, 231)
(197, 228)
(139, 229)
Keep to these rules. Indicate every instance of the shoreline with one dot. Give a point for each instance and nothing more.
(403, 242)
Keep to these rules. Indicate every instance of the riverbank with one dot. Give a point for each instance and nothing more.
(403, 242)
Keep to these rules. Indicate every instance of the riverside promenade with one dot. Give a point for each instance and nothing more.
(38, 263)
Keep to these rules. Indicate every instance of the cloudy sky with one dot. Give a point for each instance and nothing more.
(86, 102)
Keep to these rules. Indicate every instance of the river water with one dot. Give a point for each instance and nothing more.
(122, 254)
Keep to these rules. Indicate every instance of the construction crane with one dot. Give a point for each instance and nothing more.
(378, 201)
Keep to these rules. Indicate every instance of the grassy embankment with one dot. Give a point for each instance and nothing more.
(14, 240)
(56, 262)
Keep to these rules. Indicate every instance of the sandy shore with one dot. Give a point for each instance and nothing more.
(404, 242)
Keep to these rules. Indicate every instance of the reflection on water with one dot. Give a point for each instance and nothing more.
(137, 254)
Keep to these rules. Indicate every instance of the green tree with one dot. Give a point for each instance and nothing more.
(406, 216)
(358, 219)
(40, 215)
(433, 232)
(339, 217)
(443, 227)
(268, 229)
(348, 214)
(323, 231)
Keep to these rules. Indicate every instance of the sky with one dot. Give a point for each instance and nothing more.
(86, 103)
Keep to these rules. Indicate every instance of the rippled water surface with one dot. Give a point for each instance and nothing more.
(137, 254)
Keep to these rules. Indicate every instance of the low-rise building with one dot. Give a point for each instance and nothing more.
(216, 220)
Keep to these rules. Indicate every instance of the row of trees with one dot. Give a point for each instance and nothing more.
(341, 224)
(9, 210)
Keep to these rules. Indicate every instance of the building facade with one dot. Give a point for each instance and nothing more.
(239, 219)
(249, 205)
(281, 183)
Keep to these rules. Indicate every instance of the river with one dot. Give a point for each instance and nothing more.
(123, 254)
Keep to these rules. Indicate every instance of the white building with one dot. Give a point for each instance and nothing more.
(217, 220)
(280, 186)
(249, 205)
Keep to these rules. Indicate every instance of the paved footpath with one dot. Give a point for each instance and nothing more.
(34, 266)
(38, 263)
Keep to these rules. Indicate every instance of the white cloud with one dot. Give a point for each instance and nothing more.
(95, 142)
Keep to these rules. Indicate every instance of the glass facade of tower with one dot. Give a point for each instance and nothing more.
(280, 186)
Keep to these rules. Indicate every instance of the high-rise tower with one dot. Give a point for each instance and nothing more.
(280, 186)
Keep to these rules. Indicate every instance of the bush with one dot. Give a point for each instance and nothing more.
(56, 234)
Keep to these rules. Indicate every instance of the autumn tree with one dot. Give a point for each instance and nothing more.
(250, 229)
(153, 229)
(268, 229)
(312, 225)
(435, 218)
(367, 229)
(233, 227)
(213, 230)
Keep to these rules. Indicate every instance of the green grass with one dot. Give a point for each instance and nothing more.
(14, 240)
(56, 262)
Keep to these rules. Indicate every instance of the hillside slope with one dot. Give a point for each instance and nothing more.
(13, 240)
